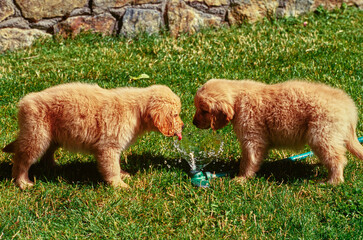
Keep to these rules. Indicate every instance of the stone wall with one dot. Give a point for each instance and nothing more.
(21, 21)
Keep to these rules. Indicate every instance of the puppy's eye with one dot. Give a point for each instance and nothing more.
(203, 112)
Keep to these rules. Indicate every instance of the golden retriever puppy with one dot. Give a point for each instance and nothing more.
(85, 117)
(284, 115)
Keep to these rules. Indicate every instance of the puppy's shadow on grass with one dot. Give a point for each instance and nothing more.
(86, 173)
(280, 171)
(287, 171)
(73, 172)
(5, 171)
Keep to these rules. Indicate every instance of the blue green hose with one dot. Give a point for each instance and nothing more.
(308, 154)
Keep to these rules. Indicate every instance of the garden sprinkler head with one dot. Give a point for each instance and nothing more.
(200, 179)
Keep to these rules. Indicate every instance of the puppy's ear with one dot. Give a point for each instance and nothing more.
(221, 114)
(161, 118)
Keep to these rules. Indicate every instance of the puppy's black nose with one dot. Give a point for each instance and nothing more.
(195, 122)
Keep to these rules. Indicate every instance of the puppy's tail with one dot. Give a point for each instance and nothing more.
(353, 144)
(10, 148)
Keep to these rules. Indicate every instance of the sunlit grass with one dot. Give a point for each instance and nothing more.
(283, 201)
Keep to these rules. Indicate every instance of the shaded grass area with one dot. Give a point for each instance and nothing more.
(284, 200)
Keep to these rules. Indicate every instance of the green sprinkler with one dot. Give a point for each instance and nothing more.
(201, 179)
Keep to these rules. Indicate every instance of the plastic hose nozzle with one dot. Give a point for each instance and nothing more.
(201, 179)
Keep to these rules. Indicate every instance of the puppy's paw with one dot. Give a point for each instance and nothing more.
(124, 174)
(239, 180)
(119, 184)
(334, 181)
(24, 184)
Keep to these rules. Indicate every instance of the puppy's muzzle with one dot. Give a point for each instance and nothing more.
(179, 134)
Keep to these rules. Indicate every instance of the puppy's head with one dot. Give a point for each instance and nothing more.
(163, 111)
(214, 106)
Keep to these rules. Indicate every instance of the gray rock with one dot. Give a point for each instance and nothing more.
(7, 9)
(183, 18)
(289, 8)
(39, 9)
(80, 11)
(117, 12)
(17, 22)
(72, 26)
(46, 24)
(140, 20)
(102, 6)
(14, 38)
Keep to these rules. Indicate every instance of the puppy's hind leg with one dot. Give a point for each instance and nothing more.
(252, 157)
(333, 158)
(109, 167)
(28, 150)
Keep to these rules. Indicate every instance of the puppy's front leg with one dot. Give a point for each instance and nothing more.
(109, 167)
(252, 157)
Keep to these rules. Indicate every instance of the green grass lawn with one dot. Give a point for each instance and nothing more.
(284, 200)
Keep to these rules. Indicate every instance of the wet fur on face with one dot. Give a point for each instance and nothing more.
(87, 118)
(284, 115)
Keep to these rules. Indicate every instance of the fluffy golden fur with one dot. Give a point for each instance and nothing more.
(284, 115)
(84, 117)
